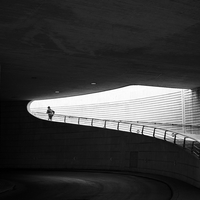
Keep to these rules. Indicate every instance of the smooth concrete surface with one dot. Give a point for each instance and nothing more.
(64, 46)
(94, 185)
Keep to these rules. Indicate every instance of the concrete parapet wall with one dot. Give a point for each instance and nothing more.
(28, 142)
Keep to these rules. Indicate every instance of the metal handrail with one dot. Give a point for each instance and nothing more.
(169, 124)
(184, 141)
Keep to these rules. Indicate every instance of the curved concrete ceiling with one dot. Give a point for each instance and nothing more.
(52, 48)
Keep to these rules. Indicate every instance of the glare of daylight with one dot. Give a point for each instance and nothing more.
(125, 93)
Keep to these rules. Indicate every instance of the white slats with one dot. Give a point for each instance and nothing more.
(182, 107)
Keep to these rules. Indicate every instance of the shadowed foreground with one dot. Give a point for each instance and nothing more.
(83, 185)
(86, 185)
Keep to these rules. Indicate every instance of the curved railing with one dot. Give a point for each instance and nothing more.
(188, 143)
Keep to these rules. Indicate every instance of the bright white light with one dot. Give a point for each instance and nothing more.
(125, 93)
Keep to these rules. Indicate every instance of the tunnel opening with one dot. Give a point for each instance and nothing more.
(96, 105)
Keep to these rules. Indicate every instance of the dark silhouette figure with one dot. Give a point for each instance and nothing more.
(50, 113)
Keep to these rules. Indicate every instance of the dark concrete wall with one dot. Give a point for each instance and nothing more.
(28, 142)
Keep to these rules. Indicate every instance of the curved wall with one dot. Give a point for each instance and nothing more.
(27, 142)
(163, 108)
(180, 107)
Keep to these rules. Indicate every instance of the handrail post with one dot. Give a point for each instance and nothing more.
(165, 135)
(184, 142)
(79, 121)
(65, 119)
(142, 130)
(131, 128)
(92, 122)
(154, 132)
(174, 138)
(105, 124)
(192, 147)
(118, 126)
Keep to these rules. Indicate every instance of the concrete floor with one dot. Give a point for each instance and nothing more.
(92, 185)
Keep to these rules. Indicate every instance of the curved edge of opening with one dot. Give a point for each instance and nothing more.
(29, 105)
(32, 113)
(41, 113)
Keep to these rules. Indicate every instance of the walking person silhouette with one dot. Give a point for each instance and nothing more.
(50, 113)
